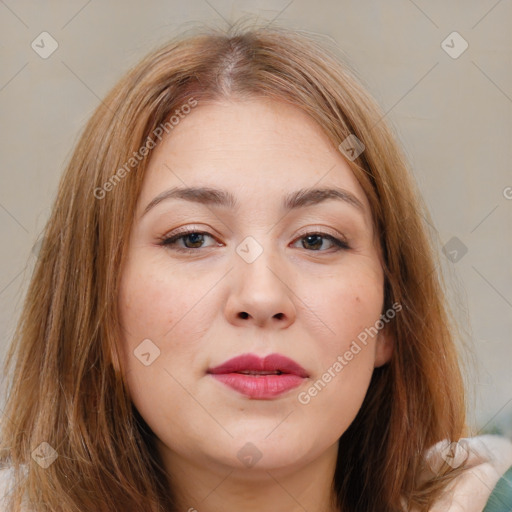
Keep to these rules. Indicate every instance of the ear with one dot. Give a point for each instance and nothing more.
(384, 346)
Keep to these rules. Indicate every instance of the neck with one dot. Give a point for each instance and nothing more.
(206, 486)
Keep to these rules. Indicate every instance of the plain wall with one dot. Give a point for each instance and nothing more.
(453, 117)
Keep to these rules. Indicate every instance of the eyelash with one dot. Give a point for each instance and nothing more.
(170, 242)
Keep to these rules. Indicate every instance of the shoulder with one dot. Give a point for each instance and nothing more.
(501, 496)
(7, 484)
(488, 460)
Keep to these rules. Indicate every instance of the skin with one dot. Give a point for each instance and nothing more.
(303, 298)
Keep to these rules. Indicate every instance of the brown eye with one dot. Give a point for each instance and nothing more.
(191, 240)
(314, 241)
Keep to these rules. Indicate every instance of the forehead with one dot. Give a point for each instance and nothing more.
(257, 147)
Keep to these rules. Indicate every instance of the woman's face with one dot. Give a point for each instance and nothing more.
(260, 274)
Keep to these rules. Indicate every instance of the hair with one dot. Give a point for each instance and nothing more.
(67, 386)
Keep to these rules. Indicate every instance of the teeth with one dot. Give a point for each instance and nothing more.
(251, 372)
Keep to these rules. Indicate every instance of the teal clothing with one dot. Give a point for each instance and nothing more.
(500, 499)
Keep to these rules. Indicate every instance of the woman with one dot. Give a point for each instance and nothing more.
(236, 305)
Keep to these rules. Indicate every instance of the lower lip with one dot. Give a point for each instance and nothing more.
(261, 386)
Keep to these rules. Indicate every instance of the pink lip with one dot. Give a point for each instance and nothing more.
(260, 386)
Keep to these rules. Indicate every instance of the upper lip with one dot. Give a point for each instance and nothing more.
(252, 362)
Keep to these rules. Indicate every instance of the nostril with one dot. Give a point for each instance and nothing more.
(243, 314)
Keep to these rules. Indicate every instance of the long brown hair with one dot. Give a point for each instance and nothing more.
(68, 389)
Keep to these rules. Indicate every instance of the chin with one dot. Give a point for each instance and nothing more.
(254, 453)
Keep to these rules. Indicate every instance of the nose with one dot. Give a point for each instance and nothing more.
(261, 293)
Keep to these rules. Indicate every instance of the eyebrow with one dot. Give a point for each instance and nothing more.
(223, 198)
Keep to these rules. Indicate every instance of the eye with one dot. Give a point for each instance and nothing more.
(315, 240)
(192, 240)
(195, 240)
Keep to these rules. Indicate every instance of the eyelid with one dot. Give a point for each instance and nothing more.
(339, 240)
(323, 231)
(192, 228)
(306, 231)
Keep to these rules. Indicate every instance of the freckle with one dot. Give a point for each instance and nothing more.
(358, 299)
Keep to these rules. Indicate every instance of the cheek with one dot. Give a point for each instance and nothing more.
(346, 360)
(153, 306)
(171, 309)
(348, 307)
(154, 303)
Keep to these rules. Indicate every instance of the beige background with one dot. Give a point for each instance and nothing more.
(454, 117)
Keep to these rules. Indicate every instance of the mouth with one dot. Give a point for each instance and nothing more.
(253, 372)
(260, 378)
